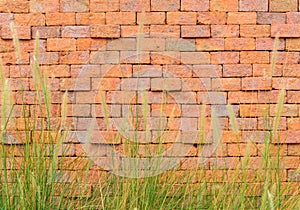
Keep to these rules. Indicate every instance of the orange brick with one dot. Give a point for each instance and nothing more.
(46, 32)
(90, 18)
(239, 44)
(212, 98)
(16, 6)
(120, 18)
(254, 5)
(254, 57)
(294, 149)
(286, 83)
(225, 57)
(292, 18)
(195, 31)
(151, 18)
(225, 30)
(265, 70)
(285, 30)
(165, 84)
(106, 84)
(254, 110)
(210, 44)
(207, 71)
(269, 96)
(135, 5)
(196, 84)
(294, 124)
(237, 150)
(105, 31)
(74, 6)
(75, 31)
(78, 57)
(237, 70)
(170, 57)
(194, 5)
(104, 5)
(32, 19)
(242, 97)
(292, 70)
(271, 18)
(165, 30)
(211, 18)
(241, 18)
(256, 83)
(293, 97)
(133, 57)
(171, 5)
(269, 44)
(255, 30)
(63, 44)
(44, 6)
(286, 57)
(283, 6)
(288, 110)
(228, 6)
(23, 32)
(56, 70)
(195, 57)
(224, 84)
(181, 18)
(58, 19)
(293, 44)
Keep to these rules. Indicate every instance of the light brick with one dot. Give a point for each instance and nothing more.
(242, 97)
(74, 5)
(44, 6)
(285, 57)
(167, 57)
(16, 6)
(265, 18)
(285, 30)
(195, 57)
(165, 31)
(135, 5)
(223, 84)
(256, 83)
(227, 6)
(210, 44)
(134, 31)
(194, 5)
(283, 6)
(237, 70)
(239, 44)
(253, 110)
(292, 18)
(207, 71)
(46, 32)
(171, 5)
(253, 5)
(78, 57)
(105, 57)
(159, 84)
(269, 44)
(22, 32)
(195, 31)
(225, 30)
(105, 31)
(120, 18)
(241, 18)
(61, 44)
(76, 31)
(174, 44)
(151, 18)
(255, 31)
(104, 5)
(181, 18)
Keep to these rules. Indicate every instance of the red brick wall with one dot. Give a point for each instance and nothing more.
(213, 52)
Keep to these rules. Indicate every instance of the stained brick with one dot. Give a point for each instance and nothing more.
(283, 6)
(120, 18)
(211, 18)
(253, 5)
(195, 31)
(271, 18)
(105, 31)
(194, 5)
(76, 31)
(104, 5)
(239, 44)
(255, 31)
(135, 5)
(181, 18)
(210, 44)
(74, 5)
(171, 5)
(227, 6)
(151, 18)
(225, 30)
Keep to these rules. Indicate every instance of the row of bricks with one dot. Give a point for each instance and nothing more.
(188, 31)
(20, 6)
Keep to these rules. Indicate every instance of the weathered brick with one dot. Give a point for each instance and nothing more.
(285, 30)
(195, 57)
(46, 32)
(134, 57)
(293, 96)
(75, 31)
(48, 58)
(285, 57)
(181, 18)
(283, 6)
(106, 84)
(211, 18)
(165, 31)
(225, 57)
(16, 6)
(134, 31)
(120, 18)
(90, 18)
(288, 110)
(22, 32)
(269, 44)
(147, 71)
(104, 5)
(171, 5)
(223, 84)
(153, 44)
(211, 98)
(242, 97)
(167, 57)
(122, 44)
(78, 57)
(266, 70)
(291, 83)
(85, 71)
(292, 18)
(254, 57)
(253, 5)
(56, 70)
(195, 31)
(158, 84)
(194, 5)
(74, 5)
(58, 19)
(225, 30)
(238, 150)
(31, 19)
(44, 6)
(135, 5)
(241, 18)
(294, 124)
(105, 31)
(116, 70)
(105, 57)
(239, 44)
(271, 96)
(151, 18)
(228, 6)
(256, 83)
(253, 110)
(265, 18)
(75, 84)
(207, 71)
(237, 70)
(255, 30)
(196, 84)
(141, 84)
(61, 44)
(291, 70)
(210, 44)
(293, 44)
(175, 44)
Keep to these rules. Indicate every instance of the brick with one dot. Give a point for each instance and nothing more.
(78, 57)
(286, 83)
(292, 70)
(75, 31)
(167, 57)
(195, 57)
(5, 19)
(225, 30)
(195, 31)
(294, 150)
(288, 137)
(134, 31)
(106, 84)
(271, 96)
(241, 18)
(168, 84)
(255, 31)
(46, 32)
(23, 32)
(283, 6)
(32, 19)
(256, 83)
(105, 31)
(181, 18)
(48, 58)
(265, 70)
(75, 84)
(239, 150)
(78, 110)
(211, 98)
(265, 18)
(293, 97)
(85, 71)
(135, 57)
(120, 18)
(56, 70)
(61, 44)
(294, 124)
(19, 71)
(175, 44)
(242, 97)
(16, 6)
(140, 84)
(285, 30)
(292, 18)
(44, 6)
(105, 57)
(223, 84)
(196, 84)
(237, 70)
(239, 44)
(104, 5)
(210, 44)
(254, 110)
(293, 44)
(225, 57)
(90, 18)
(6, 46)
(135, 5)
(150, 18)
(211, 18)
(269, 44)
(171, 5)
(153, 44)
(74, 6)
(165, 31)
(254, 57)
(122, 44)
(286, 57)
(194, 5)
(228, 6)
(60, 19)
(288, 110)
(207, 71)
(147, 71)
(253, 5)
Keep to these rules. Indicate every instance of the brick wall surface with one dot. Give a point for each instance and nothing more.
(180, 54)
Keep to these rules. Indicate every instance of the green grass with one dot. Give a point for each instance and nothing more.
(38, 175)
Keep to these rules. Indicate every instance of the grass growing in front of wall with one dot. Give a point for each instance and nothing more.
(34, 174)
